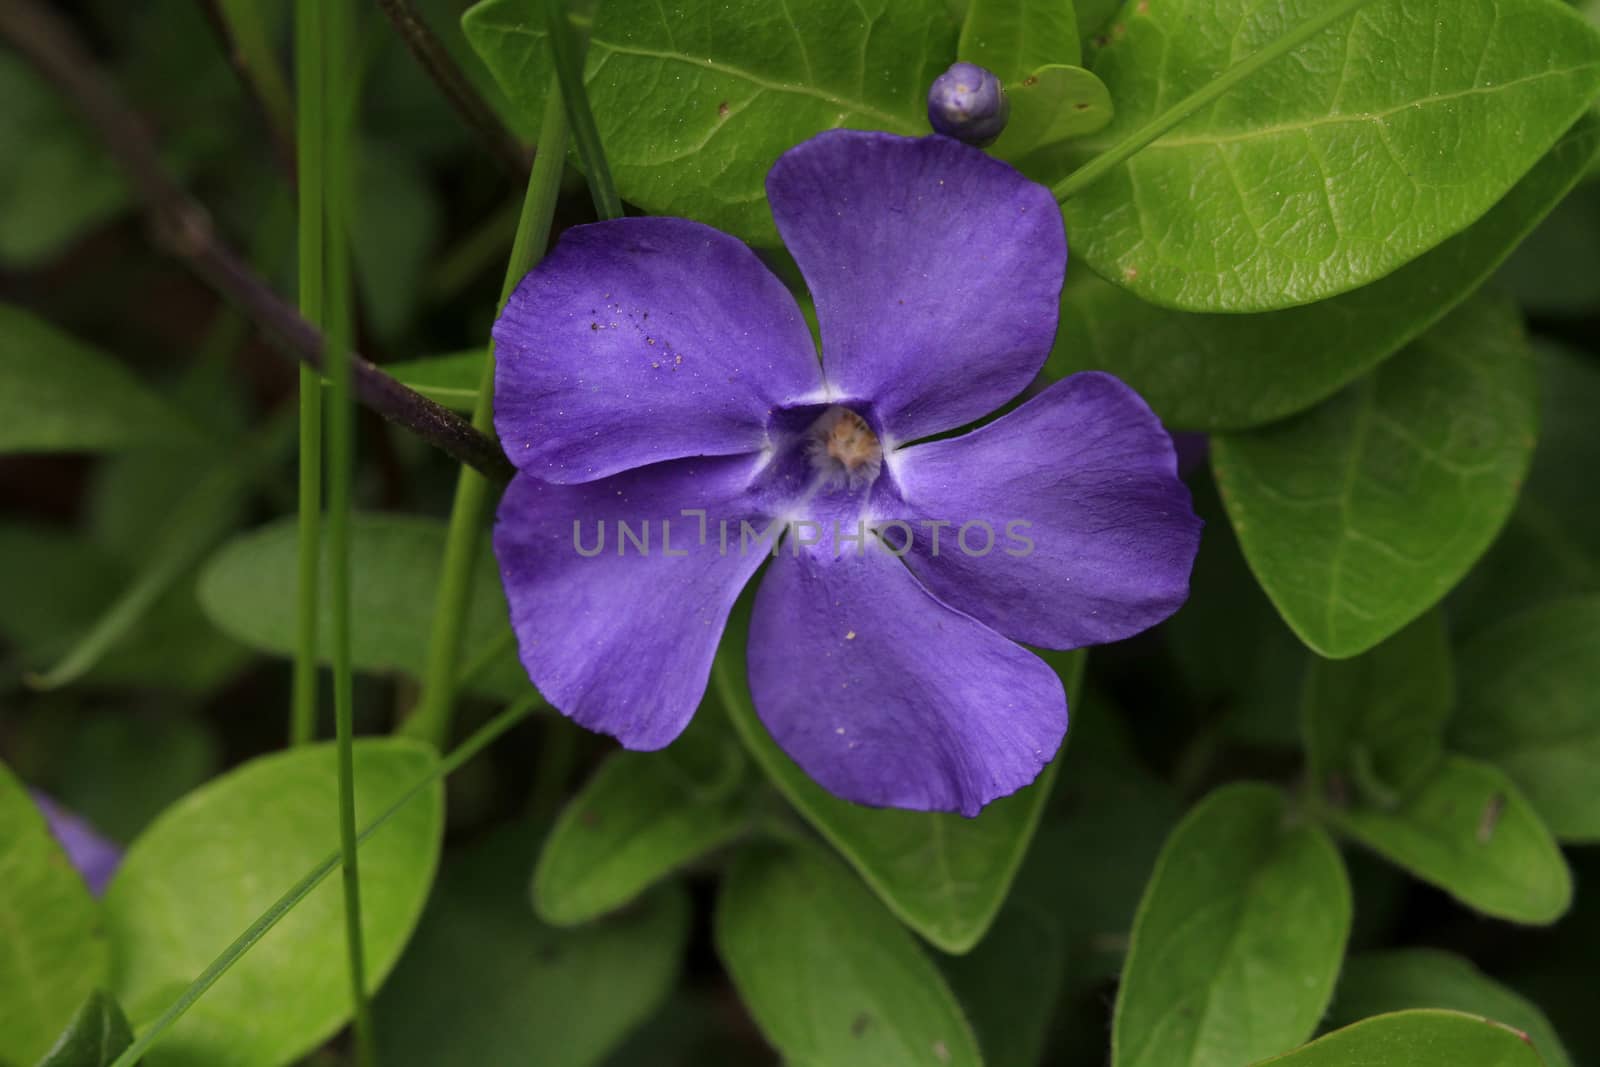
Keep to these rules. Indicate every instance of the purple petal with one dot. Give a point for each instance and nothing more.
(888, 697)
(936, 271)
(622, 641)
(94, 857)
(641, 340)
(1090, 468)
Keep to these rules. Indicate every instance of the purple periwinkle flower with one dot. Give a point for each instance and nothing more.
(94, 857)
(968, 103)
(655, 377)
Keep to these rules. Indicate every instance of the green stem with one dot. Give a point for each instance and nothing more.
(340, 88)
(568, 53)
(432, 719)
(310, 182)
(481, 739)
(1105, 162)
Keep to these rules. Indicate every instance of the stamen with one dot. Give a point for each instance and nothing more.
(844, 449)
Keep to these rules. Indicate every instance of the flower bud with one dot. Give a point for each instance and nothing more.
(968, 103)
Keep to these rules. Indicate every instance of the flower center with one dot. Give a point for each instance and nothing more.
(844, 449)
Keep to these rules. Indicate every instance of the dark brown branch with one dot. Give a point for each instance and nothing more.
(457, 89)
(183, 227)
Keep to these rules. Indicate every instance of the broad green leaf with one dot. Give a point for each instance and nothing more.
(1375, 723)
(1339, 162)
(1551, 546)
(248, 589)
(219, 857)
(52, 945)
(943, 875)
(1238, 938)
(1470, 831)
(1013, 38)
(55, 179)
(451, 380)
(749, 79)
(1530, 704)
(63, 396)
(827, 973)
(1232, 372)
(1416, 1039)
(1008, 985)
(642, 816)
(1052, 105)
(1374, 983)
(1362, 513)
(94, 1037)
(485, 982)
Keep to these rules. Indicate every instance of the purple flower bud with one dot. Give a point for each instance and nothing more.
(95, 857)
(969, 104)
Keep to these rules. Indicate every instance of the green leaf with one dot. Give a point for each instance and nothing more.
(1013, 38)
(94, 1037)
(451, 380)
(1470, 832)
(827, 973)
(248, 589)
(1232, 372)
(642, 816)
(1361, 514)
(52, 946)
(1238, 938)
(514, 990)
(943, 875)
(1416, 1039)
(55, 180)
(749, 82)
(63, 396)
(1374, 983)
(219, 857)
(1376, 722)
(1339, 162)
(1530, 703)
(1052, 105)
(1009, 985)
(1551, 546)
